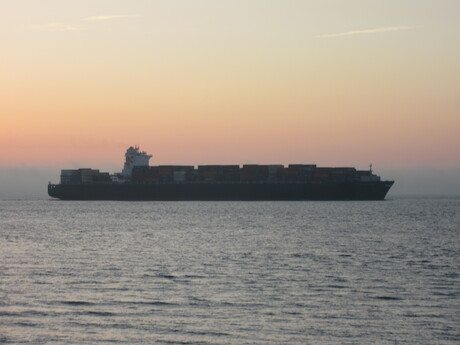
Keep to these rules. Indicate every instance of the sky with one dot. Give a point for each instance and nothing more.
(326, 82)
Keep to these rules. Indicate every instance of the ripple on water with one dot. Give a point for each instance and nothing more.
(230, 273)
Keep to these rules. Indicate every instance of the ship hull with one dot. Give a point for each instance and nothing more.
(375, 190)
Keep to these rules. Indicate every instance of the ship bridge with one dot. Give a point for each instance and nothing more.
(134, 157)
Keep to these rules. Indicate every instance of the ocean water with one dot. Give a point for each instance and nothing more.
(230, 272)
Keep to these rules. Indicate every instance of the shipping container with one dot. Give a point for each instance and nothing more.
(165, 170)
(70, 179)
(69, 172)
(102, 177)
(191, 176)
(144, 174)
(233, 168)
(179, 176)
(231, 173)
(215, 168)
(254, 173)
(321, 174)
(302, 166)
(183, 167)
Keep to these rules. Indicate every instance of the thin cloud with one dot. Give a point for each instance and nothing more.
(57, 27)
(110, 17)
(367, 31)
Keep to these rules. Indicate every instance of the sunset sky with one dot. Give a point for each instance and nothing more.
(330, 82)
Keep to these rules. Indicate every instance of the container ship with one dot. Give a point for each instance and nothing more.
(140, 181)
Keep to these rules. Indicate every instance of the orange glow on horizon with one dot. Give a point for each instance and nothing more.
(213, 84)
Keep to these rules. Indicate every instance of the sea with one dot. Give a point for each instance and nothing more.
(90, 272)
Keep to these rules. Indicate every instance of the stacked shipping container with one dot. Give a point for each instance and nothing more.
(84, 176)
(248, 173)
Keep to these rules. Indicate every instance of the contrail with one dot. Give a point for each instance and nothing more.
(115, 16)
(367, 31)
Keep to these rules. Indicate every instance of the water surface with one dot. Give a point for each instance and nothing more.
(230, 272)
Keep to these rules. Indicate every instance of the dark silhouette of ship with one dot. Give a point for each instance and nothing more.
(139, 181)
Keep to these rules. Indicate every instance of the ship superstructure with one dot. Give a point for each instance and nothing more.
(134, 158)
